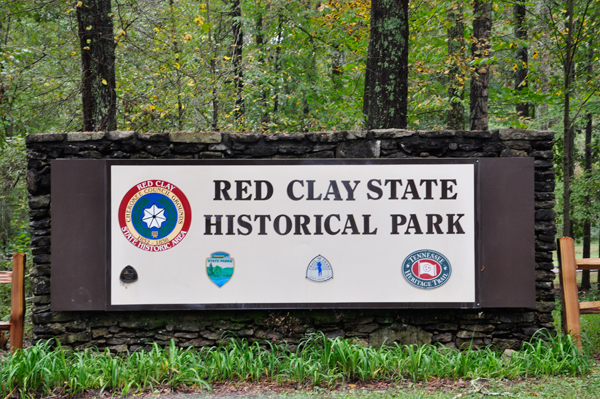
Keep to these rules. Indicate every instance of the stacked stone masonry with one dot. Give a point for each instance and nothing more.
(119, 331)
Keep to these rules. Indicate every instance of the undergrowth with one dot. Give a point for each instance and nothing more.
(318, 361)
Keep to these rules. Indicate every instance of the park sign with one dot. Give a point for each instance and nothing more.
(293, 234)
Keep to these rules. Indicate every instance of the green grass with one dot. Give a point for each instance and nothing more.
(318, 361)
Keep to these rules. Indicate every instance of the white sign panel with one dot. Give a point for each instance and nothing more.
(292, 234)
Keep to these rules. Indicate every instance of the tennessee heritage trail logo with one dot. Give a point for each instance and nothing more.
(155, 215)
(426, 269)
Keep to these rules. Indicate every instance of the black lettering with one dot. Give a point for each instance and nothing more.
(393, 191)
(333, 190)
(244, 224)
(301, 223)
(413, 223)
(288, 225)
(208, 224)
(396, 223)
(328, 225)
(222, 190)
(431, 224)
(446, 188)
(377, 190)
(349, 189)
(455, 224)
(259, 184)
(318, 231)
(230, 225)
(290, 190)
(311, 191)
(261, 223)
(350, 224)
(428, 187)
(411, 188)
(240, 189)
(367, 226)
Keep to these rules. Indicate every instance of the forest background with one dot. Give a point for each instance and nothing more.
(301, 65)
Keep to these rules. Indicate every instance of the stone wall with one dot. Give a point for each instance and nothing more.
(135, 330)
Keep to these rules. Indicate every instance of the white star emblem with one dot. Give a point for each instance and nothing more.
(154, 217)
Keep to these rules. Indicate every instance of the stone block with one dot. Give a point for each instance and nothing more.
(359, 149)
(186, 335)
(245, 137)
(44, 138)
(210, 155)
(211, 335)
(85, 136)
(355, 134)
(90, 154)
(477, 327)
(436, 133)
(508, 153)
(40, 201)
(525, 134)
(545, 214)
(152, 136)
(297, 137)
(120, 135)
(443, 338)
(392, 133)
(403, 334)
(545, 306)
(195, 137)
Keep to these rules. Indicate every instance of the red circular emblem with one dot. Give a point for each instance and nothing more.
(155, 215)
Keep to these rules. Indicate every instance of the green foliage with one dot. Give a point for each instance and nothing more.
(14, 232)
(318, 361)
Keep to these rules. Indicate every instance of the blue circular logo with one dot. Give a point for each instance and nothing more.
(426, 269)
(154, 216)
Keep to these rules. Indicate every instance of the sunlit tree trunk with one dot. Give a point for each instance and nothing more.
(480, 78)
(96, 40)
(385, 100)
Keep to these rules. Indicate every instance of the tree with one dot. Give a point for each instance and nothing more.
(480, 77)
(520, 11)
(95, 29)
(386, 82)
(455, 118)
(236, 59)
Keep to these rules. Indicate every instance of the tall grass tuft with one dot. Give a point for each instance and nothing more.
(318, 360)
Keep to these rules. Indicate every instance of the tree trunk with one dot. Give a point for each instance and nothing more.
(520, 10)
(455, 118)
(264, 113)
(337, 57)
(238, 74)
(277, 66)
(213, 73)
(97, 45)
(587, 225)
(568, 139)
(177, 70)
(385, 100)
(480, 77)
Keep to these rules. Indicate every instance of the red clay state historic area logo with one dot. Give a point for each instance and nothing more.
(426, 269)
(155, 215)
